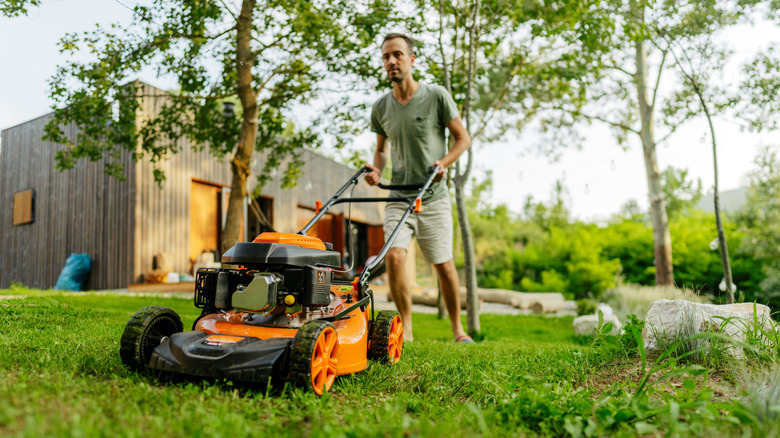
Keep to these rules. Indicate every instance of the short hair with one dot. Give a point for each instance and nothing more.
(409, 41)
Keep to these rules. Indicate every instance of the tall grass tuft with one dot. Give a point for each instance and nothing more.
(759, 408)
(634, 299)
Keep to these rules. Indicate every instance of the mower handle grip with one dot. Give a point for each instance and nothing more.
(431, 170)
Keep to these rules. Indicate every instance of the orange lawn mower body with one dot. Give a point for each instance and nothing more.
(273, 312)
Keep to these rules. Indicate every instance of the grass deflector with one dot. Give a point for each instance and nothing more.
(275, 312)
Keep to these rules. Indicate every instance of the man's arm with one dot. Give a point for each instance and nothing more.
(380, 161)
(462, 143)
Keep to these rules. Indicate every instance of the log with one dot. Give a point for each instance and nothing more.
(433, 300)
(523, 300)
(548, 306)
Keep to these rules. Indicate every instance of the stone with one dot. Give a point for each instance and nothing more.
(669, 321)
(586, 325)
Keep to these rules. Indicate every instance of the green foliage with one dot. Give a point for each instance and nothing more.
(586, 306)
(13, 8)
(543, 252)
(184, 40)
(631, 338)
(680, 193)
(760, 223)
(761, 87)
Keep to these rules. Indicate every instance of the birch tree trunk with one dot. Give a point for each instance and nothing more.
(662, 240)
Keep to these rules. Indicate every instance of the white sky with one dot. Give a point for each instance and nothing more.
(601, 177)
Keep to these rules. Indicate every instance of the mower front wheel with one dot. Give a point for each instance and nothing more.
(314, 356)
(147, 329)
(387, 337)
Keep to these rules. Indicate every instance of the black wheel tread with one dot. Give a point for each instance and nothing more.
(380, 336)
(302, 351)
(132, 343)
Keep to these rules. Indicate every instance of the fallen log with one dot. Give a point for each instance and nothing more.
(433, 300)
(553, 301)
(548, 306)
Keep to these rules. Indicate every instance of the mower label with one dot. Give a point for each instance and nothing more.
(219, 340)
(342, 289)
(321, 277)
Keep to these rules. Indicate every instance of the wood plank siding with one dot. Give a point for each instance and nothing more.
(123, 225)
(162, 215)
(78, 211)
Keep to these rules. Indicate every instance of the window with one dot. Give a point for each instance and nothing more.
(24, 207)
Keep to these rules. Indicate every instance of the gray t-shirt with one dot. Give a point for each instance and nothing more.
(416, 134)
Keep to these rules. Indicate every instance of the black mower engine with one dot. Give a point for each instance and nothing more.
(268, 292)
(269, 278)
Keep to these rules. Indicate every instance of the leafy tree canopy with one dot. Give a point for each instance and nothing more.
(288, 48)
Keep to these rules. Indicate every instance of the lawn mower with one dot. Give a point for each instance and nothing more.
(274, 312)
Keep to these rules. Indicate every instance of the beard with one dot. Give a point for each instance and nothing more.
(398, 77)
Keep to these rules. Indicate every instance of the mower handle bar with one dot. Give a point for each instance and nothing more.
(363, 279)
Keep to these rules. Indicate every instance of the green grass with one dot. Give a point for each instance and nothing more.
(60, 375)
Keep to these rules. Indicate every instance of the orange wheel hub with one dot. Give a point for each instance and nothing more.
(325, 361)
(396, 340)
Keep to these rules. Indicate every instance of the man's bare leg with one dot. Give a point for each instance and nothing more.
(399, 287)
(450, 291)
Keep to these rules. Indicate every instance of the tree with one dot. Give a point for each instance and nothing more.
(695, 65)
(265, 55)
(628, 95)
(499, 59)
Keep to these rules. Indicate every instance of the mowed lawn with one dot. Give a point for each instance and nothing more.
(60, 375)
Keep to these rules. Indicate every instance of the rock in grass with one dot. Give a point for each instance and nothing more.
(586, 325)
(671, 321)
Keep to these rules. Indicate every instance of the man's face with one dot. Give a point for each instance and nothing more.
(398, 62)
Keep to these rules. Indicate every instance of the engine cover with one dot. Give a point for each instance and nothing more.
(260, 295)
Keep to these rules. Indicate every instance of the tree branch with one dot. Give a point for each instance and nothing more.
(609, 122)
(233, 14)
(658, 76)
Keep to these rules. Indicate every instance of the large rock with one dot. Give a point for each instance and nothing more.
(586, 325)
(669, 321)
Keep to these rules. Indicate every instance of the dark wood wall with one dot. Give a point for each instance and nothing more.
(76, 211)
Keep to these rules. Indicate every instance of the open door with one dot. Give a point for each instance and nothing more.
(205, 218)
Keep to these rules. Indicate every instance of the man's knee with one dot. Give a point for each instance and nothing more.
(396, 257)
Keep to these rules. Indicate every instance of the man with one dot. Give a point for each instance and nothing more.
(411, 118)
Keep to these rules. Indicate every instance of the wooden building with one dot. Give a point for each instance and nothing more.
(122, 225)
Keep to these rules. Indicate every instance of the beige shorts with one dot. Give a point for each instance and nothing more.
(432, 227)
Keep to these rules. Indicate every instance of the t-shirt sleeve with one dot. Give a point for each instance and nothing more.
(448, 110)
(376, 126)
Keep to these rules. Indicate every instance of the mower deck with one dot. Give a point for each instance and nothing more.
(245, 359)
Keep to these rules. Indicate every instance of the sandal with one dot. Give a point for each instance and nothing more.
(464, 339)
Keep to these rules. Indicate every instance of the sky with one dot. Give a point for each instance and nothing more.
(600, 177)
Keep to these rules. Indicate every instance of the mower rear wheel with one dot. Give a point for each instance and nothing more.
(147, 329)
(314, 357)
(387, 337)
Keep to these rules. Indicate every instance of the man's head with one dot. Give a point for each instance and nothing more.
(398, 56)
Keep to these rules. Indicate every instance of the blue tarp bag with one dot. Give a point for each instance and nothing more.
(75, 273)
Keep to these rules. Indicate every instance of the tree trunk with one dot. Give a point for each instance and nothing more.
(240, 163)
(472, 295)
(724, 249)
(662, 240)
